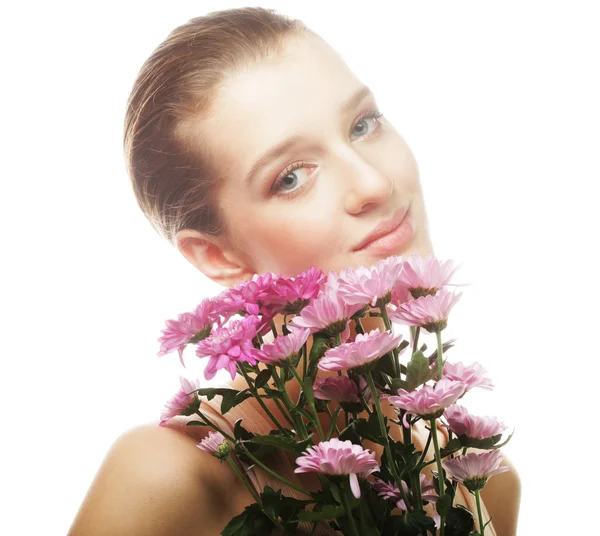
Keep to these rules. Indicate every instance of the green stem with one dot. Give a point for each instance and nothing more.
(304, 361)
(428, 442)
(417, 330)
(353, 529)
(388, 326)
(333, 421)
(386, 448)
(213, 425)
(479, 515)
(416, 490)
(273, 473)
(283, 412)
(438, 459)
(440, 355)
(311, 404)
(244, 478)
(273, 328)
(298, 424)
(260, 401)
(359, 327)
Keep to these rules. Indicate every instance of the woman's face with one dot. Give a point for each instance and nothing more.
(344, 172)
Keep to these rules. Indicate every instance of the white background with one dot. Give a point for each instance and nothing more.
(500, 103)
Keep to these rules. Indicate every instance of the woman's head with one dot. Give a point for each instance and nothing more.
(214, 100)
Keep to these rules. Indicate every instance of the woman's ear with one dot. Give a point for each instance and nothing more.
(210, 255)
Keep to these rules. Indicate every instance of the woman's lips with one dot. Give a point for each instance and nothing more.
(394, 241)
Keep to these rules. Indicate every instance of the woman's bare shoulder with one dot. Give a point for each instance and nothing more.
(154, 480)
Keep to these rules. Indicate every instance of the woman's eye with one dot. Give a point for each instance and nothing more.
(363, 121)
(288, 181)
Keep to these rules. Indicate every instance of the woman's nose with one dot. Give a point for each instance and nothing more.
(365, 185)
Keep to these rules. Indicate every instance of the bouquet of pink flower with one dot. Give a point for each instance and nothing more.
(359, 495)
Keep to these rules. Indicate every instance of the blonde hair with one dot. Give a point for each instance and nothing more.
(174, 177)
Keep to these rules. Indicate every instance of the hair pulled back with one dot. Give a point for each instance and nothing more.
(173, 174)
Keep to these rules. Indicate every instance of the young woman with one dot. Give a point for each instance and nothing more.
(254, 148)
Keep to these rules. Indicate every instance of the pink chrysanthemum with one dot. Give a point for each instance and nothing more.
(369, 285)
(365, 349)
(335, 457)
(216, 445)
(427, 401)
(228, 346)
(425, 276)
(283, 347)
(472, 375)
(462, 423)
(337, 388)
(181, 401)
(297, 292)
(474, 469)
(255, 296)
(390, 491)
(188, 328)
(428, 312)
(328, 313)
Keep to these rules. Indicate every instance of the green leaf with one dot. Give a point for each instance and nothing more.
(459, 522)
(230, 396)
(370, 429)
(418, 371)
(454, 445)
(486, 443)
(413, 523)
(252, 522)
(195, 423)
(284, 442)
(443, 504)
(263, 377)
(445, 346)
(328, 511)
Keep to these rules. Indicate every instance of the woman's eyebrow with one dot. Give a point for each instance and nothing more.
(285, 145)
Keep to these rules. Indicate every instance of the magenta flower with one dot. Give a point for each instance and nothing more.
(428, 312)
(216, 445)
(390, 491)
(368, 285)
(471, 376)
(283, 347)
(425, 276)
(298, 291)
(189, 327)
(328, 312)
(184, 402)
(428, 402)
(255, 296)
(474, 469)
(335, 457)
(365, 349)
(337, 388)
(228, 346)
(464, 424)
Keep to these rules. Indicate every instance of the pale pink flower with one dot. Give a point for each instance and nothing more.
(216, 445)
(425, 276)
(390, 491)
(283, 347)
(181, 401)
(189, 327)
(472, 375)
(297, 292)
(336, 388)
(428, 312)
(474, 469)
(228, 346)
(427, 401)
(328, 313)
(364, 349)
(462, 423)
(335, 457)
(368, 285)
